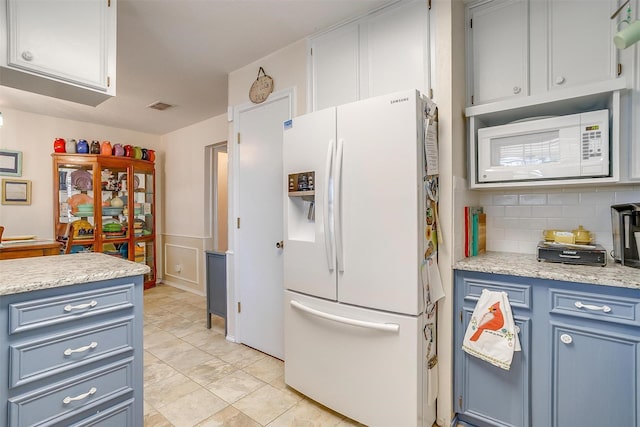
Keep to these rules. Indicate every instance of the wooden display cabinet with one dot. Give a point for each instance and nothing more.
(111, 201)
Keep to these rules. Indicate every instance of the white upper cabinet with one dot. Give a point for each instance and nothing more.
(52, 43)
(335, 59)
(581, 48)
(498, 37)
(519, 48)
(386, 51)
(396, 46)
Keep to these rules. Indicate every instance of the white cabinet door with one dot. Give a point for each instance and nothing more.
(334, 67)
(580, 41)
(396, 50)
(383, 53)
(72, 41)
(498, 50)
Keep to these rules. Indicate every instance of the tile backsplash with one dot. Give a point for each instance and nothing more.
(516, 218)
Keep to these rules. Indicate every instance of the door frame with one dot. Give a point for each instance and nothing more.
(233, 254)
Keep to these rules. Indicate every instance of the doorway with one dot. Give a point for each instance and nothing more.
(216, 196)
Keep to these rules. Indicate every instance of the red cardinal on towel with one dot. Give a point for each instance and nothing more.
(492, 321)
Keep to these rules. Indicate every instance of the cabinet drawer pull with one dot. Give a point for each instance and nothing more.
(27, 56)
(516, 89)
(70, 307)
(604, 308)
(69, 351)
(69, 399)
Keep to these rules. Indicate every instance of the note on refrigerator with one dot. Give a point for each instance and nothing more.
(431, 146)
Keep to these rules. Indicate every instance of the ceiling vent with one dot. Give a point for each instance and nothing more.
(160, 106)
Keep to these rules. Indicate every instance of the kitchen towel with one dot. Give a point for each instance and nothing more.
(492, 335)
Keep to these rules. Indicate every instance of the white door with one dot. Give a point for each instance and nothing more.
(309, 244)
(259, 209)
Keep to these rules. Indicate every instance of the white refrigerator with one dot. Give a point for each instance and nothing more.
(353, 249)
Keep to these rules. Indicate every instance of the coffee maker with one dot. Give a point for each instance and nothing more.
(625, 224)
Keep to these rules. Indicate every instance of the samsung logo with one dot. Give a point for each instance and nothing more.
(395, 101)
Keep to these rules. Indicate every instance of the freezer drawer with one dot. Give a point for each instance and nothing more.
(361, 363)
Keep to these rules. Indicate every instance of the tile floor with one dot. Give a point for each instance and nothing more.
(194, 377)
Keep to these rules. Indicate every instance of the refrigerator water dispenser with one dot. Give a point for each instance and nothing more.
(301, 193)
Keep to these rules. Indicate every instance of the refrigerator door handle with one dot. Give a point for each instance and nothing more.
(385, 327)
(329, 243)
(338, 205)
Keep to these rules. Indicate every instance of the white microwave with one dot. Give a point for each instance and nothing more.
(560, 147)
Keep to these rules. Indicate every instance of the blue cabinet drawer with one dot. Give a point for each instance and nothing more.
(45, 356)
(119, 415)
(43, 312)
(519, 294)
(61, 401)
(606, 308)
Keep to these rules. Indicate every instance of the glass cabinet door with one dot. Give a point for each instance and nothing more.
(114, 224)
(143, 225)
(76, 203)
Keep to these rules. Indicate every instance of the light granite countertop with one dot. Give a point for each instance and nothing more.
(30, 274)
(526, 265)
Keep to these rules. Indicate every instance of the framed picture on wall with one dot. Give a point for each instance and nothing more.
(16, 192)
(10, 163)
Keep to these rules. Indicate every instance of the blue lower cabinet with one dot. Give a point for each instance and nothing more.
(580, 359)
(73, 355)
(594, 377)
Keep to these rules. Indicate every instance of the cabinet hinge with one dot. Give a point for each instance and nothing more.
(619, 69)
(238, 137)
(471, 23)
(429, 4)
(108, 3)
(239, 307)
(460, 316)
(108, 81)
(471, 99)
(430, 93)
(238, 222)
(311, 51)
(459, 402)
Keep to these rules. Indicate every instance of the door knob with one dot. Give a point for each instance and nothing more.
(280, 244)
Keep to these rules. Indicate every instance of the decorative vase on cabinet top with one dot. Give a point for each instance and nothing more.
(95, 147)
(59, 145)
(82, 146)
(105, 148)
(137, 152)
(118, 150)
(128, 150)
(152, 155)
(71, 146)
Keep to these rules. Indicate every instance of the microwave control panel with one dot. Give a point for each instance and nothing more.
(591, 142)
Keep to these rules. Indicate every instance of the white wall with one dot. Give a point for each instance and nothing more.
(287, 67)
(183, 175)
(33, 134)
(449, 91)
(185, 234)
